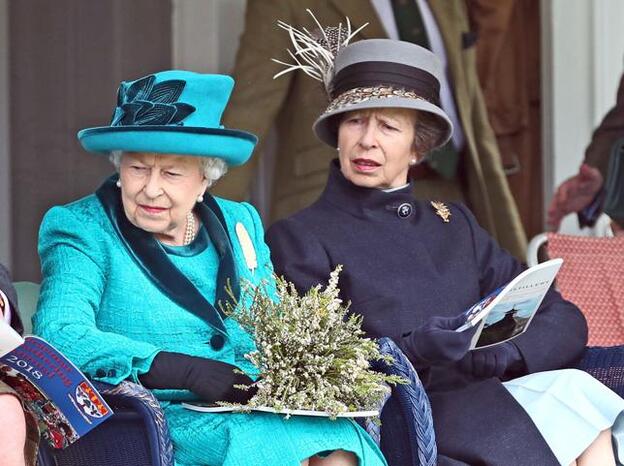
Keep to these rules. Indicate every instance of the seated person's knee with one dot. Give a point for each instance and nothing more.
(336, 458)
(11, 413)
(12, 430)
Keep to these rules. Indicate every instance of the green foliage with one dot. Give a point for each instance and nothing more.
(311, 352)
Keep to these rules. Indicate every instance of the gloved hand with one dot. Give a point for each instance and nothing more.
(493, 361)
(209, 379)
(436, 341)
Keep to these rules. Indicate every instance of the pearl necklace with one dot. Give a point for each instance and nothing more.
(189, 232)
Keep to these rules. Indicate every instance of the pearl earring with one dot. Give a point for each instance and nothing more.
(413, 162)
(200, 198)
(118, 183)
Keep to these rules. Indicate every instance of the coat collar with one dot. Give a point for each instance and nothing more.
(367, 203)
(359, 14)
(152, 259)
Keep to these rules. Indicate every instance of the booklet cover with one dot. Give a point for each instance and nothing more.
(507, 311)
(214, 408)
(63, 401)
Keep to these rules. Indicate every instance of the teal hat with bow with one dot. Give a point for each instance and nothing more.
(172, 112)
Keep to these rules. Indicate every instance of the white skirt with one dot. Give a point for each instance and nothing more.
(570, 408)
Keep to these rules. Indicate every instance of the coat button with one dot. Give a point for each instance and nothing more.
(217, 341)
(100, 373)
(404, 210)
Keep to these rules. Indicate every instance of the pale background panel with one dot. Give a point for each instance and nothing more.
(5, 168)
(206, 35)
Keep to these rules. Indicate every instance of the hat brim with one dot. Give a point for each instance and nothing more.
(326, 128)
(233, 146)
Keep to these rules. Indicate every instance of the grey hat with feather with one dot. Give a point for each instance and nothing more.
(368, 74)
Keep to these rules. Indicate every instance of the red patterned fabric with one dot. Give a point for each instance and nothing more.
(592, 277)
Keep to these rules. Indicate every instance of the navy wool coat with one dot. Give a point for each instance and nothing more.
(402, 265)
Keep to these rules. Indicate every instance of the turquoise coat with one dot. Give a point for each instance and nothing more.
(110, 317)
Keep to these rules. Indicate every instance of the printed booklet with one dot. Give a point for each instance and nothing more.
(64, 403)
(507, 311)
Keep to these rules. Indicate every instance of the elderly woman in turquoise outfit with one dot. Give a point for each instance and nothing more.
(133, 274)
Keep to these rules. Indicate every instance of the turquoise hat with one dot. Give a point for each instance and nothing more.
(172, 112)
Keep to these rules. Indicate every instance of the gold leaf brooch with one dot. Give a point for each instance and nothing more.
(442, 210)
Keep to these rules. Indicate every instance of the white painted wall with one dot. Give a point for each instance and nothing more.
(206, 34)
(582, 62)
(5, 186)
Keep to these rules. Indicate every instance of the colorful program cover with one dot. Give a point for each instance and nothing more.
(507, 311)
(63, 401)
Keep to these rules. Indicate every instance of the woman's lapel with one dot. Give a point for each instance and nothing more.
(156, 265)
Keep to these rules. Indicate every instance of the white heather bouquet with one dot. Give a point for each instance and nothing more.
(311, 353)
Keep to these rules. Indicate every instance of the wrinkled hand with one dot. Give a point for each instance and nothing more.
(436, 341)
(493, 361)
(209, 379)
(574, 194)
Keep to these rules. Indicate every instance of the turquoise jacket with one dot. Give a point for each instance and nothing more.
(110, 318)
(111, 315)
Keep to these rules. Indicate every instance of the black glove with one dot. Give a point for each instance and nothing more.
(209, 379)
(436, 341)
(493, 361)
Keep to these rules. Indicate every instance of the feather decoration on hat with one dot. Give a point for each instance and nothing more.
(316, 51)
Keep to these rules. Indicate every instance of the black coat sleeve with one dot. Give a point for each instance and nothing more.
(557, 335)
(297, 254)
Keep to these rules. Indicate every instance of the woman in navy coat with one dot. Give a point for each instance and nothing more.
(412, 266)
